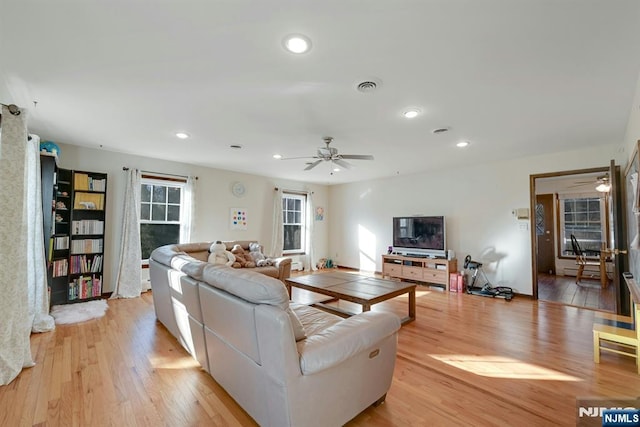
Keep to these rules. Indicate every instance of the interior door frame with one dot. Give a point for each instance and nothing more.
(532, 210)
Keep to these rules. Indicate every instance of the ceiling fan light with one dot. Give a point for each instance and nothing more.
(603, 187)
(462, 144)
(277, 156)
(182, 135)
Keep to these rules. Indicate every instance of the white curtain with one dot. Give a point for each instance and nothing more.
(129, 282)
(15, 351)
(277, 238)
(188, 210)
(37, 286)
(310, 265)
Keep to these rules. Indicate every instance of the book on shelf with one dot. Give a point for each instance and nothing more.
(61, 242)
(87, 226)
(85, 287)
(85, 264)
(83, 181)
(86, 246)
(59, 267)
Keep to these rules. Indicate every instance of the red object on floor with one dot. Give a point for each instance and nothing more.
(453, 282)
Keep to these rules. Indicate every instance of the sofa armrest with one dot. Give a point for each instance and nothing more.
(283, 264)
(345, 339)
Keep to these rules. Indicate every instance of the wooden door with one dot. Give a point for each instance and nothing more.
(545, 233)
(618, 239)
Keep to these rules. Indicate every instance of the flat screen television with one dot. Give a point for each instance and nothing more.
(420, 235)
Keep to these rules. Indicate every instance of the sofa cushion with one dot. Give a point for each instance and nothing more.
(247, 284)
(345, 339)
(313, 320)
(298, 329)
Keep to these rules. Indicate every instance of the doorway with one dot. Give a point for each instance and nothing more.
(565, 204)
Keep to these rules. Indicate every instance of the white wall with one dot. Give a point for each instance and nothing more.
(213, 200)
(477, 202)
(633, 125)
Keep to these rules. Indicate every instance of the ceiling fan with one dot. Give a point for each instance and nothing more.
(602, 183)
(330, 154)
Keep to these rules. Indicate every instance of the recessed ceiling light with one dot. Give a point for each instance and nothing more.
(411, 113)
(182, 135)
(297, 43)
(277, 156)
(462, 144)
(336, 169)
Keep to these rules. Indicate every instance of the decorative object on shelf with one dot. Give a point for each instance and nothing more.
(60, 205)
(238, 219)
(238, 189)
(49, 147)
(88, 205)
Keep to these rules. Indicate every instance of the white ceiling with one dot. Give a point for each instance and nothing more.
(514, 77)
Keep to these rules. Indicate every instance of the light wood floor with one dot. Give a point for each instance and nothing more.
(466, 360)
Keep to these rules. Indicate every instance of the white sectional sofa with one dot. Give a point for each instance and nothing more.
(286, 364)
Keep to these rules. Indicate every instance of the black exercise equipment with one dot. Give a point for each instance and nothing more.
(485, 290)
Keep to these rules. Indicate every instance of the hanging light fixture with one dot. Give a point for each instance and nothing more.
(603, 184)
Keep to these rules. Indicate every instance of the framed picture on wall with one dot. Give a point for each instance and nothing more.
(238, 218)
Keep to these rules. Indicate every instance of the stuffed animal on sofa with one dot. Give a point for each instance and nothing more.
(220, 255)
(257, 255)
(243, 260)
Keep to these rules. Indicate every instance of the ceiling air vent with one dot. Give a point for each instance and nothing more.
(440, 130)
(367, 86)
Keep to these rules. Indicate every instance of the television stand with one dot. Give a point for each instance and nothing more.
(419, 268)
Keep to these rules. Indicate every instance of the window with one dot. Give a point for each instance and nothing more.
(161, 211)
(583, 217)
(293, 220)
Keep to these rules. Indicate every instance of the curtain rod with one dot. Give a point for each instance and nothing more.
(15, 111)
(294, 191)
(125, 168)
(13, 108)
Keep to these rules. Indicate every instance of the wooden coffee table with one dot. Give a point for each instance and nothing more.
(356, 288)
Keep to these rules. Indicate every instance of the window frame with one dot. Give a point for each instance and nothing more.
(303, 224)
(164, 182)
(561, 214)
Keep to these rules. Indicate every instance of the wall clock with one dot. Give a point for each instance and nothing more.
(238, 189)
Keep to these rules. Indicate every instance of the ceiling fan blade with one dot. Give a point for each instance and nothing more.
(342, 163)
(295, 158)
(356, 156)
(313, 165)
